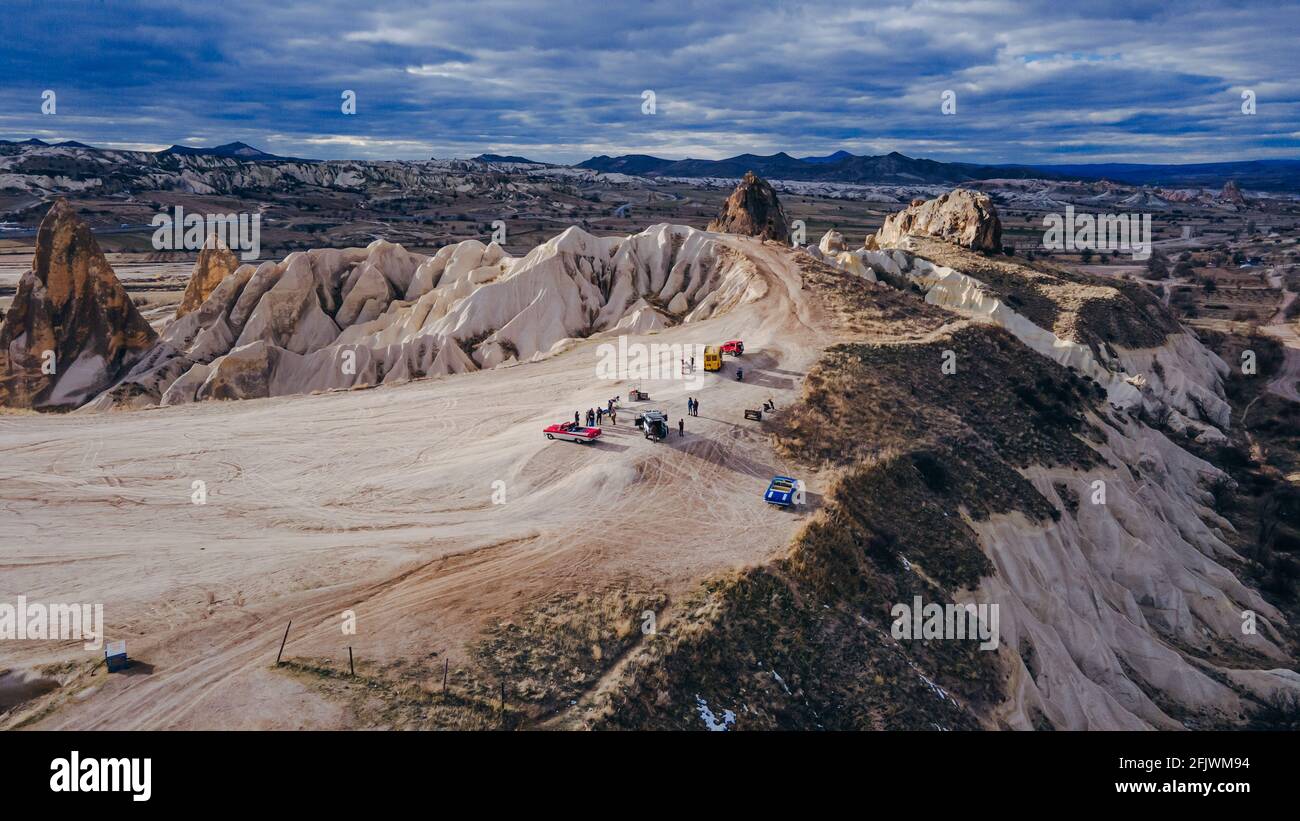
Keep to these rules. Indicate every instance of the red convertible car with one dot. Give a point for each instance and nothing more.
(572, 432)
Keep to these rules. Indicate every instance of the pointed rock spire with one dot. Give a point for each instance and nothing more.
(753, 210)
(214, 264)
(71, 330)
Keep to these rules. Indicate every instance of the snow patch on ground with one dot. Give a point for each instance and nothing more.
(712, 722)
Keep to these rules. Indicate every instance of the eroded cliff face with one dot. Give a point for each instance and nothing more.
(72, 329)
(332, 319)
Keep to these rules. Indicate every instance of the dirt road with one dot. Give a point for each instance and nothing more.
(1279, 327)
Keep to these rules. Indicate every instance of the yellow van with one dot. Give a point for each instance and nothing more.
(712, 358)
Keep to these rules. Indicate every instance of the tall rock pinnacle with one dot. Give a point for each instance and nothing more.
(214, 264)
(71, 330)
(753, 210)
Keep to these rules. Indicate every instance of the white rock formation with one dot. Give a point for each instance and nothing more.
(330, 319)
(966, 218)
(832, 242)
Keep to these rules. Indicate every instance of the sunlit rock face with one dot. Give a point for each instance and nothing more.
(215, 263)
(753, 210)
(966, 218)
(72, 329)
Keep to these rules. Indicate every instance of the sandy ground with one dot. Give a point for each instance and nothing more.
(381, 501)
(13, 266)
(148, 283)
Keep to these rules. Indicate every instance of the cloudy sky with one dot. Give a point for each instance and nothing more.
(1033, 81)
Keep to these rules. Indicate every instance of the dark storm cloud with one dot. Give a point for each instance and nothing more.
(563, 81)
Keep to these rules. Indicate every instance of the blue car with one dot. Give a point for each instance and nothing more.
(780, 491)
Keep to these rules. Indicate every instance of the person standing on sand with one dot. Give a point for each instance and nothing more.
(613, 417)
(681, 427)
(575, 417)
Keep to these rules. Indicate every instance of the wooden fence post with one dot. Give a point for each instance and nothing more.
(282, 641)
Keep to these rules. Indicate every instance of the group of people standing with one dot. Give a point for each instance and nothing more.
(596, 416)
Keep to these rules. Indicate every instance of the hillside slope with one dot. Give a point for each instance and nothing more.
(1027, 478)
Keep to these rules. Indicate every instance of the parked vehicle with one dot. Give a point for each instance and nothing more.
(734, 347)
(712, 358)
(572, 432)
(654, 423)
(780, 491)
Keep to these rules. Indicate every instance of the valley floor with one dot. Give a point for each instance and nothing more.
(379, 501)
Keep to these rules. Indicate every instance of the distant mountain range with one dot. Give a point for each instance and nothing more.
(235, 150)
(838, 167)
(510, 158)
(1265, 175)
(34, 141)
(896, 168)
(843, 167)
(242, 151)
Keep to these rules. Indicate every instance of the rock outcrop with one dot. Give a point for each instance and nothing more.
(960, 216)
(832, 242)
(215, 263)
(1231, 193)
(331, 319)
(71, 330)
(754, 211)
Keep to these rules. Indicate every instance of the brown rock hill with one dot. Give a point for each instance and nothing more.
(754, 211)
(1231, 193)
(214, 264)
(71, 304)
(961, 216)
